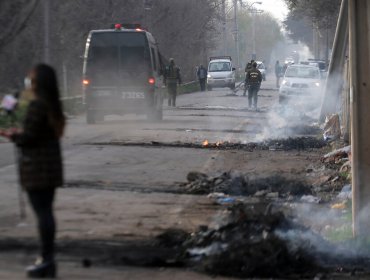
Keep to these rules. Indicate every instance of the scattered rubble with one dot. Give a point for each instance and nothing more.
(238, 184)
(256, 244)
(346, 192)
(310, 199)
(337, 155)
(332, 127)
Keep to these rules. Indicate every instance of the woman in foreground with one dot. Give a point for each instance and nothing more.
(40, 160)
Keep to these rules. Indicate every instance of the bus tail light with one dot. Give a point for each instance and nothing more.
(151, 81)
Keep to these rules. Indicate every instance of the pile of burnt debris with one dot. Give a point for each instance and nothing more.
(298, 143)
(254, 244)
(238, 184)
(288, 144)
(260, 241)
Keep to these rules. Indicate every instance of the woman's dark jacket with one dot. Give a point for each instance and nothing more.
(40, 161)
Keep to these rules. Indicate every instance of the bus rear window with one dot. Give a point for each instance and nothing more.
(115, 56)
(129, 39)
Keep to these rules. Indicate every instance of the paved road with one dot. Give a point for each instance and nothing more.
(146, 176)
(128, 192)
(213, 116)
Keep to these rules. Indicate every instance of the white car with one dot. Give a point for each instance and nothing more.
(262, 68)
(301, 81)
(221, 73)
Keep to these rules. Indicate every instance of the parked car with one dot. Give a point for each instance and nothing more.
(221, 73)
(122, 73)
(300, 81)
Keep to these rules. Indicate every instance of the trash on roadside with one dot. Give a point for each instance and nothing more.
(346, 192)
(332, 127)
(340, 206)
(256, 243)
(346, 167)
(216, 195)
(260, 193)
(226, 200)
(212, 249)
(310, 199)
(335, 156)
(272, 195)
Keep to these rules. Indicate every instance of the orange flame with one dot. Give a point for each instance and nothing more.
(205, 143)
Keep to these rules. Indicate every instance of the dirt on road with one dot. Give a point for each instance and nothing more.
(125, 177)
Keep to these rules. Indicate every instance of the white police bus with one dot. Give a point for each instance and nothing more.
(122, 73)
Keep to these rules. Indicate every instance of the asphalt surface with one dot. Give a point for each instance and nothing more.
(129, 192)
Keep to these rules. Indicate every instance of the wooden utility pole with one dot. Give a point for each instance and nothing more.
(236, 33)
(359, 46)
(224, 39)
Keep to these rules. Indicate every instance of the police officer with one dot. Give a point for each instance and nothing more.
(253, 79)
(202, 76)
(171, 78)
(248, 67)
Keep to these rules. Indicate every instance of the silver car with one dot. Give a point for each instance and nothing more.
(220, 73)
(301, 81)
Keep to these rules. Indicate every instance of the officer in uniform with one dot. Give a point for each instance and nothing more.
(253, 80)
(202, 76)
(171, 78)
(248, 67)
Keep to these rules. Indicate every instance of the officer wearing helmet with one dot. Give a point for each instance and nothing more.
(171, 78)
(253, 80)
(248, 67)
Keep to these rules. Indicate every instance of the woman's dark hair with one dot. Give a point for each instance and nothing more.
(47, 91)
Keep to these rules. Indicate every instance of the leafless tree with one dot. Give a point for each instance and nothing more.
(184, 30)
